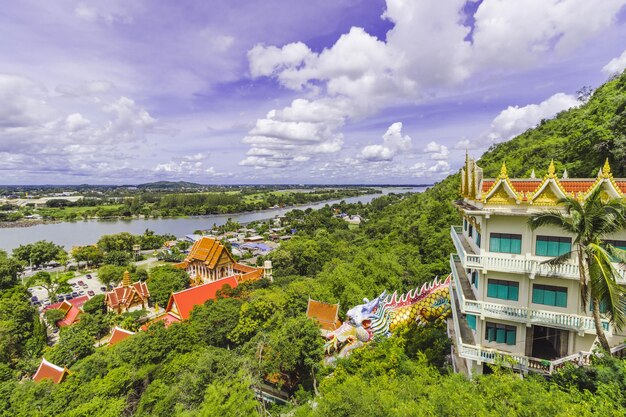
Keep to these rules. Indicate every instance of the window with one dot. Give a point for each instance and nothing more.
(478, 239)
(618, 244)
(550, 295)
(464, 224)
(500, 333)
(505, 290)
(552, 245)
(471, 321)
(474, 279)
(470, 232)
(505, 243)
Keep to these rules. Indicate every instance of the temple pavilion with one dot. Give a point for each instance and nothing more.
(48, 370)
(209, 260)
(128, 296)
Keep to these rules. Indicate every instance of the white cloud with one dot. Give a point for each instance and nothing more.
(429, 47)
(437, 151)
(85, 89)
(393, 142)
(441, 167)
(515, 120)
(616, 65)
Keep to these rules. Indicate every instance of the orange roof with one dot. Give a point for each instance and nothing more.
(573, 186)
(181, 303)
(123, 295)
(167, 318)
(526, 185)
(118, 335)
(71, 308)
(622, 186)
(49, 370)
(324, 313)
(209, 251)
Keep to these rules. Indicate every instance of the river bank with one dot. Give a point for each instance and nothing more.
(85, 232)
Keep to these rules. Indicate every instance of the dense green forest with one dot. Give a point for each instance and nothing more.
(211, 364)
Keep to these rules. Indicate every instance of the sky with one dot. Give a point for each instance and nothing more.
(286, 91)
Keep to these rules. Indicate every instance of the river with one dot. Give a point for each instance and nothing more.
(86, 232)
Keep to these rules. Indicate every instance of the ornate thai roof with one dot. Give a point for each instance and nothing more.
(181, 303)
(118, 335)
(71, 309)
(208, 251)
(125, 293)
(546, 191)
(327, 315)
(48, 370)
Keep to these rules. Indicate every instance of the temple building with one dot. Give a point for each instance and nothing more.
(128, 296)
(509, 306)
(72, 310)
(325, 314)
(181, 303)
(118, 335)
(209, 260)
(50, 371)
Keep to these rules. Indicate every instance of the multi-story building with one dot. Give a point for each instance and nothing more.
(509, 306)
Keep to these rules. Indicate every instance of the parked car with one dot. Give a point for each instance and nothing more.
(34, 298)
(74, 294)
(91, 293)
(81, 292)
(36, 303)
(103, 289)
(60, 298)
(68, 297)
(55, 330)
(85, 287)
(88, 276)
(81, 283)
(46, 303)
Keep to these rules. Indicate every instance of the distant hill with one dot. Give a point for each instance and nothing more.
(170, 185)
(579, 139)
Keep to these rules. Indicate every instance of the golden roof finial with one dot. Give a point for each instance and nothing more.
(532, 174)
(503, 171)
(606, 169)
(551, 169)
(126, 280)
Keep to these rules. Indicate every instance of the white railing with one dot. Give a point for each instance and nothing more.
(516, 263)
(522, 314)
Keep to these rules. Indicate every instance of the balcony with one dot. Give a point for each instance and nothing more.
(519, 264)
(468, 304)
(464, 343)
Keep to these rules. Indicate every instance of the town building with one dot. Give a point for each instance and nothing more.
(128, 296)
(209, 261)
(325, 314)
(509, 306)
(50, 371)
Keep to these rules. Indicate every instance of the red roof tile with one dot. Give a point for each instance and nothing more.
(325, 314)
(167, 318)
(71, 308)
(77, 302)
(118, 335)
(184, 301)
(121, 294)
(622, 186)
(487, 185)
(573, 186)
(49, 370)
(526, 185)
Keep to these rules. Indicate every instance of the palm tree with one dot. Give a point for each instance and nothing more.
(590, 223)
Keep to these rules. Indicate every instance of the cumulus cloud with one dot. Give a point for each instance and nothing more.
(616, 65)
(515, 120)
(187, 166)
(430, 46)
(437, 151)
(393, 142)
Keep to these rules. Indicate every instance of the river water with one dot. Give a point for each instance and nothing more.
(86, 232)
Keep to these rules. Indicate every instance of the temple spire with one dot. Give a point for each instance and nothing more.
(503, 171)
(551, 169)
(606, 169)
(126, 280)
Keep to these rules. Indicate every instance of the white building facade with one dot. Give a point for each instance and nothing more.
(509, 307)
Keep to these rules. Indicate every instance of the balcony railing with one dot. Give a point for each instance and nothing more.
(523, 314)
(520, 362)
(515, 263)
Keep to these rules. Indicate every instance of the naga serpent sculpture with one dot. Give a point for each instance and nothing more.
(385, 313)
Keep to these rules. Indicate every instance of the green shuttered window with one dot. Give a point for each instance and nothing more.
(471, 321)
(504, 290)
(550, 295)
(552, 246)
(500, 333)
(505, 243)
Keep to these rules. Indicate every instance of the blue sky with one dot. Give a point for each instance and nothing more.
(293, 91)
